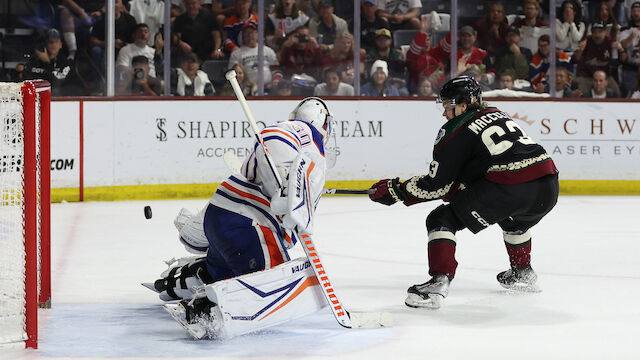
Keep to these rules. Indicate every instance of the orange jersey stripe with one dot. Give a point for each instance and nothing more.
(287, 238)
(310, 169)
(283, 133)
(309, 187)
(245, 194)
(274, 251)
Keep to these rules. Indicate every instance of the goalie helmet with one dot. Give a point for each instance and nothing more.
(315, 112)
(463, 89)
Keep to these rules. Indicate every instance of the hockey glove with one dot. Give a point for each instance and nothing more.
(296, 206)
(387, 192)
(290, 220)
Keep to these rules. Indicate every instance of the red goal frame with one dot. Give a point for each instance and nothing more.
(31, 91)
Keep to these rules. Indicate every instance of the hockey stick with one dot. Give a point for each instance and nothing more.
(347, 191)
(343, 317)
(231, 76)
(234, 164)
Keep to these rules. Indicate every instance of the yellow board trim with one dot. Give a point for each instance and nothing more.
(599, 187)
(136, 192)
(203, 191)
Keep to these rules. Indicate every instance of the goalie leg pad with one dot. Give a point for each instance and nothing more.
(266, 298)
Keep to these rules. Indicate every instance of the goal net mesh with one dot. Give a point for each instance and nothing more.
(12, 222)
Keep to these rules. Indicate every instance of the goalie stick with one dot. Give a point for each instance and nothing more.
(342, 316)
(234, 164)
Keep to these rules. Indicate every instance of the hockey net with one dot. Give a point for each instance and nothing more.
(24, 210)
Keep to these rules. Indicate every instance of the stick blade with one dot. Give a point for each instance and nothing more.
(370, 320)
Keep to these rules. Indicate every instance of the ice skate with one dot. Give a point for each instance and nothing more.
(430, 294)
(150, 286)
(519, 279)
(200, 318)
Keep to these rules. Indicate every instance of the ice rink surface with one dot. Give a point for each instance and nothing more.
(585, 253)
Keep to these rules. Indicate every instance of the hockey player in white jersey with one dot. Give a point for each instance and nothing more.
(247, 226)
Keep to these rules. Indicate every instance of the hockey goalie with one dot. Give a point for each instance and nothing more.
(241, 278)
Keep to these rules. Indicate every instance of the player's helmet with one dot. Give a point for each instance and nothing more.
(315, 112)
(463, 89)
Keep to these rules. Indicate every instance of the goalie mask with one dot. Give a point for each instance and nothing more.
(314, 111)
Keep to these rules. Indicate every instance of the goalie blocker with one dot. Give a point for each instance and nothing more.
(251, 302)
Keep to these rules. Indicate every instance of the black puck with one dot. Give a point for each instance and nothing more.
(147, 212)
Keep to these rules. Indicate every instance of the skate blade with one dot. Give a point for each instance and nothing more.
(523, 287)
(150, 287)
(433, 301)
(196, 330)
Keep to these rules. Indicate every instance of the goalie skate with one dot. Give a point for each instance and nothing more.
(199, 321)
(178, 314)
(519, 279)
(151, 287)
(430, 294)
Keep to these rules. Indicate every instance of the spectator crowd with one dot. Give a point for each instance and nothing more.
(309, 47)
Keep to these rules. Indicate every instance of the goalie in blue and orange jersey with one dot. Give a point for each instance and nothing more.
(247, 227)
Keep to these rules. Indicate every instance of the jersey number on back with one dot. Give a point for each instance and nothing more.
(497, 148)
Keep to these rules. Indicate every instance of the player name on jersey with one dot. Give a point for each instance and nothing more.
(485, 120)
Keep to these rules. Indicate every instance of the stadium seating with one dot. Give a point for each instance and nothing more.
(215, 69)
(403, 37)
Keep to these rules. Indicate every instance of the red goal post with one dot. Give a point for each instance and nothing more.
(25, 269)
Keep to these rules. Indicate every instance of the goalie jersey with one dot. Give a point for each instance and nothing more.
(298, 153)
(485, 143)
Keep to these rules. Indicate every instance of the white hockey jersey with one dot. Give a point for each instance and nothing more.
(298, 152)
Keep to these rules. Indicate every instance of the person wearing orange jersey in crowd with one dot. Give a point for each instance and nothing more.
(539, 65)
(235, 23)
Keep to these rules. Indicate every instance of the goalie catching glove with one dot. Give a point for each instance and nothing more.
(297, 201)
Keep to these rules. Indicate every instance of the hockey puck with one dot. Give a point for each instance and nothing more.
(147, 212)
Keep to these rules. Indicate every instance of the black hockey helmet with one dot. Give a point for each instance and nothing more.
(461, 89)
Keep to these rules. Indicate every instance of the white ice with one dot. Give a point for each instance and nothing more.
(585, 252)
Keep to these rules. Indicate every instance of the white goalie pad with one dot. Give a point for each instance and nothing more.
(265, 298)
(302, 192)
